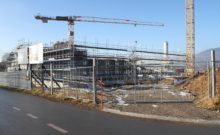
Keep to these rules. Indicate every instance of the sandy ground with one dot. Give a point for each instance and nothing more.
(183, 110)
(199, 86)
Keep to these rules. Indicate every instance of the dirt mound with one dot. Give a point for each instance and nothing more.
(199, 86)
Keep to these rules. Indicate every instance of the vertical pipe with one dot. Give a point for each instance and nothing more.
(213, 73)
(94, 80)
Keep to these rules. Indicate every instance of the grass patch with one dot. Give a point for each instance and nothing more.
(12, 89)
(56, 97)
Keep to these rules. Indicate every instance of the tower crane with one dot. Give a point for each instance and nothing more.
(72, 19)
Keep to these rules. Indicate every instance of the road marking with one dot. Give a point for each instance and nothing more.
(32, 116)
(57, 128)
(16, 108)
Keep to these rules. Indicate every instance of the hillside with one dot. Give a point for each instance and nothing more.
(199, 86)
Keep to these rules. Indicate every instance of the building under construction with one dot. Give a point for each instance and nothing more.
(115, 66)
(75, 64)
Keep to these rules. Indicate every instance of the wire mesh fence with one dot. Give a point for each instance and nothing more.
(122, 82)
(79, 83)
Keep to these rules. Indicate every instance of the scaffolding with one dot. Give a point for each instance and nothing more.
(115, 65)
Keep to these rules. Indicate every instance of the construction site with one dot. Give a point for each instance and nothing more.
(117, 76)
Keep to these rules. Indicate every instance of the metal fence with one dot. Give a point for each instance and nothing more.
(79, 83)
(17, 79)
(121, 84)
(147, 92)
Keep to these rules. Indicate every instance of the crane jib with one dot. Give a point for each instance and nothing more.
(71, 19)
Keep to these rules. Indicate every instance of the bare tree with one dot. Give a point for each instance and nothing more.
(3, 66)
(5, 57)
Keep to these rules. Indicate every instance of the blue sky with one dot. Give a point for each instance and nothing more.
(17, 22)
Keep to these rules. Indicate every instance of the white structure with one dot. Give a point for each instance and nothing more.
(22, 56)
(165, 49)
(36, 54)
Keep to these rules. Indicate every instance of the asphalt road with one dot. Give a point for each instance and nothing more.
(22, 114)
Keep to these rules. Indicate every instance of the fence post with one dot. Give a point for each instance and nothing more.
(213, 73)
(94, 80)
(161, 96)
(31, 76)
(101, 93)
(42, 78)
(134, 79)
(209, 80)
(51, 78)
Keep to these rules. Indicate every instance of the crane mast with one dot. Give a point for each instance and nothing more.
(190, 38)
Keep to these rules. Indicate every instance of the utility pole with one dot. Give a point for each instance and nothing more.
(190, 38)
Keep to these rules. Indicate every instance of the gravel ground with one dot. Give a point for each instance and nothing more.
(181, 110)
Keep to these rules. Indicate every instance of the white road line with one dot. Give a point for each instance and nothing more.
(57, 128)
(16, 108)
(32, 116)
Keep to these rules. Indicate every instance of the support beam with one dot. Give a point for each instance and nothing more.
(38, 80)
(54, 80)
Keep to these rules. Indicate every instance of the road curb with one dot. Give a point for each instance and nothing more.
(163, 118)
